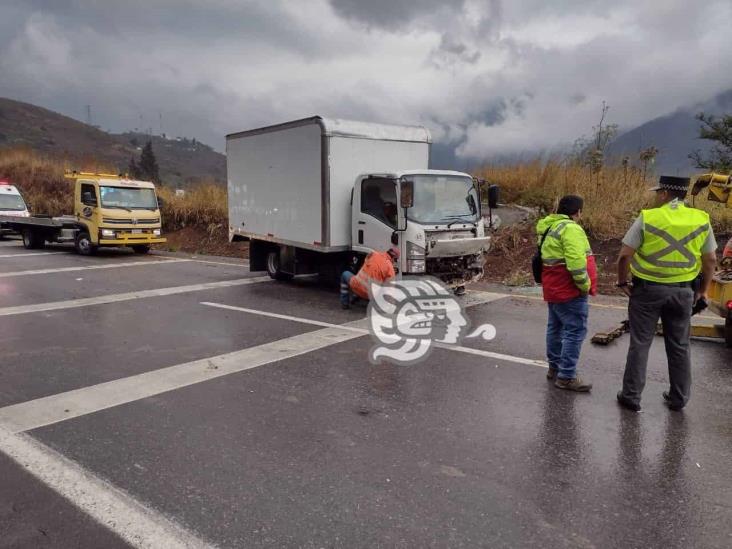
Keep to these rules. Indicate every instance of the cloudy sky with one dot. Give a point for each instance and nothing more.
(487, 77)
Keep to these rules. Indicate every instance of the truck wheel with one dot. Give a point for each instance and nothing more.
(728, 332)
(273, 266)
(141, 248)
(32, 240)
(84, 244)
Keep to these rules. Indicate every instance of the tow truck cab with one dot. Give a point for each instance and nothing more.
(116, 211)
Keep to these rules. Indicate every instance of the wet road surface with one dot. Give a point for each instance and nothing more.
(263, 425)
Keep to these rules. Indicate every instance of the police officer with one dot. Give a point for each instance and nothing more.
(665, 250)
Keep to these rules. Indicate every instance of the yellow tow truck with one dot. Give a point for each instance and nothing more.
(109, 210)
(720, 293)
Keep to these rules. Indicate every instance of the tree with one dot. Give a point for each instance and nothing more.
(647, 156)
(148, 164)
(719, 131)
(591, 151)
(133, 170)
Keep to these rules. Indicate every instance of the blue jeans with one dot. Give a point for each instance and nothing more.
(345, 288)
(565, 333)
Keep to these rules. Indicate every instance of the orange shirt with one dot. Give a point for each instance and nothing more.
(378, 267)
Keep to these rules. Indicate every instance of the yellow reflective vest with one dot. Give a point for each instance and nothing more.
(673, 238)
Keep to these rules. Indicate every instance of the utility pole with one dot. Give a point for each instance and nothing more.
(88, 115)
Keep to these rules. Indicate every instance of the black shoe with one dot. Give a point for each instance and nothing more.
(460, 290)
(625, 403)
(551, 374)
(345, 305)
(667, 401)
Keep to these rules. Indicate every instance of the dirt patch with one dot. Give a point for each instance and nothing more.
(198, 240)
(509, 261)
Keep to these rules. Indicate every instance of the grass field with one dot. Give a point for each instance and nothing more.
(613, 196)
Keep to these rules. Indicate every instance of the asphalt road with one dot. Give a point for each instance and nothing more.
(158, 401)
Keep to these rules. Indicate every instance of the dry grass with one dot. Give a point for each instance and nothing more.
(613, 197)
(204, 205)
(41, 180)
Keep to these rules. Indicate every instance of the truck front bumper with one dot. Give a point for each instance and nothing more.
(132, 240)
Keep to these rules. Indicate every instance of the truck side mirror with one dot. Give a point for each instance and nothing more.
(87, 199)
(406, 193)
(161, 202)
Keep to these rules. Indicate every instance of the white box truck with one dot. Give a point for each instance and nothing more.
(316, 195)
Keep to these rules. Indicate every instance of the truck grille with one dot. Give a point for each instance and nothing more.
(116, 221)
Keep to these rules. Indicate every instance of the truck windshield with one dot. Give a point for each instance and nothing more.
(443, 199)
(127, 198)
(11, 202)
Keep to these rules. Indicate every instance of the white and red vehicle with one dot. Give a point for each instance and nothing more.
(11, 203)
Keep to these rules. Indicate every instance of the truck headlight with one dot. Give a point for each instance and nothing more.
(415, 265)
(414, 251)
(156, 232)
(108, 233)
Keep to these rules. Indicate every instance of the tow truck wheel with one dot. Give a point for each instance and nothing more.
(32, 241)
(273, 266)
(84, 244)
(728, 332)
(141, 248)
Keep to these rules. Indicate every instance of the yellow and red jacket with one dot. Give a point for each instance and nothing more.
(378, 267)
(568, 265)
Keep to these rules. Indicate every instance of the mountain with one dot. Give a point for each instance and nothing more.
(675, 135)
(182, 161)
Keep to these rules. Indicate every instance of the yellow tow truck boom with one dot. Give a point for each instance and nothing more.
(720, 293)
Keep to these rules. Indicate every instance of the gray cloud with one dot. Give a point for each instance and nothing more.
(488, 77)
(392, 14)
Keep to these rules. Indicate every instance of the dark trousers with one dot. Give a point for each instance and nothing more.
(672, 304)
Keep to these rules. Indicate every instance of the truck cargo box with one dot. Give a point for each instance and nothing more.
(292, 183)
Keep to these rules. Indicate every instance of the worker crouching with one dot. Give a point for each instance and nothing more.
(568, 276)
(378, 267)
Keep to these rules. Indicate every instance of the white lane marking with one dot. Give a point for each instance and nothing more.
(63, 406)
(60, 407)
(93, 267)
(138, 525)
(115, 298)
(30, 254)
(364, 331)
(245, 263)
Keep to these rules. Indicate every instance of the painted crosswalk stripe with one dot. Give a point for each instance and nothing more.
(93, 267)
(63, 406)
(138, 525)
(31, 254)
(128, 296)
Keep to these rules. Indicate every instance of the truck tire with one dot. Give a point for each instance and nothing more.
(273, 266)
(33, 240)
(84, 244)
(141, 248)
(728, 332)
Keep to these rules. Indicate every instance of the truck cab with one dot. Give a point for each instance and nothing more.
(115, 211)
(11, 203)
(436, 214)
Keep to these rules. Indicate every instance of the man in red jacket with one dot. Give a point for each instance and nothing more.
(569, 275)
